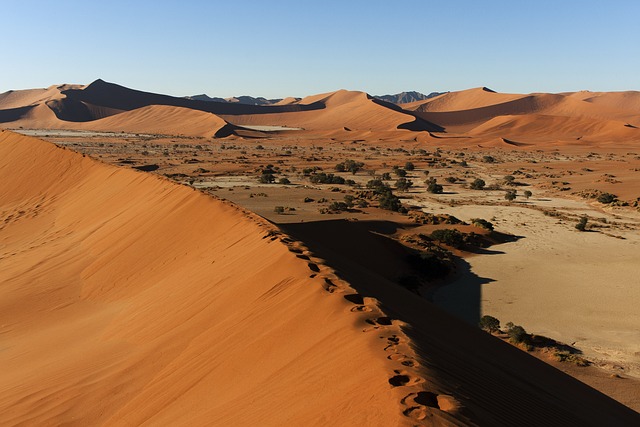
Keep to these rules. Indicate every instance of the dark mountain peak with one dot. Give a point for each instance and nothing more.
(407, 97)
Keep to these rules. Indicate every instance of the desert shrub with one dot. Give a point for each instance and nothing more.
(517, 333)
(390, 202)
(279, 210)
(527, 194)
(376, 184)
(564, 356)
(607, 198)
(451, 179)
(386, 176)
(400, 172)
(362, 203)
(349, 166)
(448, 236)
(338, 206)
(489, 324)
(266, 178)
(403, 184)
(510, 195)
(509, 179)
(488, 159)
(284, 181)
(326, 178)
(482, 223)
(582, 223)
(433, 186)
(409, 166)
(478, 184)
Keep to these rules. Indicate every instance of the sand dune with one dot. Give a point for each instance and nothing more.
(127, 299)
(538, 127)
(462, 100)
(350, 110)
(22, 98)
(162, 119)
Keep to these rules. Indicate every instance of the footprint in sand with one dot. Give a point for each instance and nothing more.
(404, 378)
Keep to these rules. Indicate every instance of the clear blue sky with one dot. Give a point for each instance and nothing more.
(298, 47)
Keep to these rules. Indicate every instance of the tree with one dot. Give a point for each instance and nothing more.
(266, 178)
(403, 184)
(510, 195)
(516, 333)
(527, 194)
(409, 166)
(284, 181)
(478, 184)
(489, 324)
(582, 224)
(448, 236)
(400, 172)
(607, 198)
(349, 166)
(386, 176)
(433, 186)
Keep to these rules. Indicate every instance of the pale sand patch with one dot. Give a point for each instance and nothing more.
(580, 288)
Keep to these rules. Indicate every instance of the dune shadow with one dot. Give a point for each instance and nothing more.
(462, 295)
(496, 383)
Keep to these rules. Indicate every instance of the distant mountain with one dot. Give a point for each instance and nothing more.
(406, 97)
(246, 100)
(204, 97)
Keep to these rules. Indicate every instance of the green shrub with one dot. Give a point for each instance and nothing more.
(516, 333)
(448, 236)
(489, 324)
(478, 184)
(607, 198)
(582, 223)
(403, 184)
(482, 223)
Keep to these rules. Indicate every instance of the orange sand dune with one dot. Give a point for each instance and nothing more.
(547, 127)
(163, 119)
(355, 111)
(462, 100)
(22, 98)
(127, 299)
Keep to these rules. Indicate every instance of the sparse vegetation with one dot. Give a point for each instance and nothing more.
(478, 184)
(482, 223)
(489, 324)
(349, 166)
(582, 223)
(448, 236)
(433, 186)
(510, 195)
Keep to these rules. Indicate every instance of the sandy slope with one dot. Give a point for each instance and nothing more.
(161, 119)
(341, 109)
(126, 299)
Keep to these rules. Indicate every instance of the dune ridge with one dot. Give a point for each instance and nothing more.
(127, 299)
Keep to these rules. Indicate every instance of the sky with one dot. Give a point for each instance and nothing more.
(302, 47)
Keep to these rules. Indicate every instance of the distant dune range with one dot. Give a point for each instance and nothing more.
(480, 114)
(128, 299)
